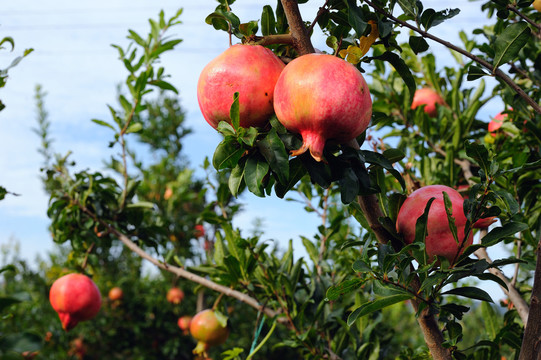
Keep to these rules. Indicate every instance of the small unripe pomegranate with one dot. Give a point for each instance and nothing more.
(322, 97)
(184, 323)
(439, 240)
(115, 294)
(175, 295)
(250, 70)
(429, 98)
(206, 329)
(75, 297)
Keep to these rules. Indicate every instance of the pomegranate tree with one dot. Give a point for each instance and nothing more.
(250, 70)
(175, 295)
(322, 97)
(207, 330)
(439, 240)
(429, 98)
(75, 297)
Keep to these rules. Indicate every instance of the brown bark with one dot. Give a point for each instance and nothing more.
(299, 32)
(531, 343)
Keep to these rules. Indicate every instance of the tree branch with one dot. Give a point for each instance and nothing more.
(495, 71)
(531, 343)
(512, 293)
(301, 38)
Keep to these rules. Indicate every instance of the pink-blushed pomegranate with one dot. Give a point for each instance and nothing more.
(207, 330)
(199, 230)
(250, 70)
(184, 323)
(322, 97)
(429, 98)
(496, 123)
(75, 297)
(175, 295)
(439, 240)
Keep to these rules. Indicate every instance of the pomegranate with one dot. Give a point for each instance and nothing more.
(439, 240)
(175, 295)
(206, 329)
(429, 98)
(322, 97)
(184, 323)
(250, 70)
(75, 297)
(481, 223)
(199, 230)
(115, 294)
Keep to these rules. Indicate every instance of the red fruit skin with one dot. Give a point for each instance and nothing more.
(199, 230)
(184, 322)
(250, 70)
(439, 240)
(75, 297)
(175, 295)
(322, 97)
(205, 328)
(429, 98)
(115, 294)
(496, 123)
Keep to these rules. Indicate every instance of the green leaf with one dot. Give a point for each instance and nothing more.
(347, 286)
(254, 173)
(219, 251)
(420, 225)
(138, 39)
(499, 233)
(311, 249)
(409, 7)
(164, 85)
(236, 178)
(234, 112)
(430, 17)
(296, 172)
(376, 305)
(479, 153)
(361, 266)
(248, 136)
(449, 212)
(379, 159)
(227, 154)
(491, 320)
(356, 18)
(510, 42)
(7, 39)
(470, 292)
(273, 150)
(103, 123)
(489, 276)
(475, 72)
(349, 186)
(418, 44)
(403, 70)
(134, 127)
(268, 22)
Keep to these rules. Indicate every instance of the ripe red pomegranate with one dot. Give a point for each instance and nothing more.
(250, 70)
(322, 97)
(429, 98)
(115, 294)
(439, 240)
(175, 295)
(206, 329)
(75, 297)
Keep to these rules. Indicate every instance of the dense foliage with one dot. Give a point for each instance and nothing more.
(360, 291)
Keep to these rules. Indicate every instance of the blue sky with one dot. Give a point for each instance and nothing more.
(75, 64)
